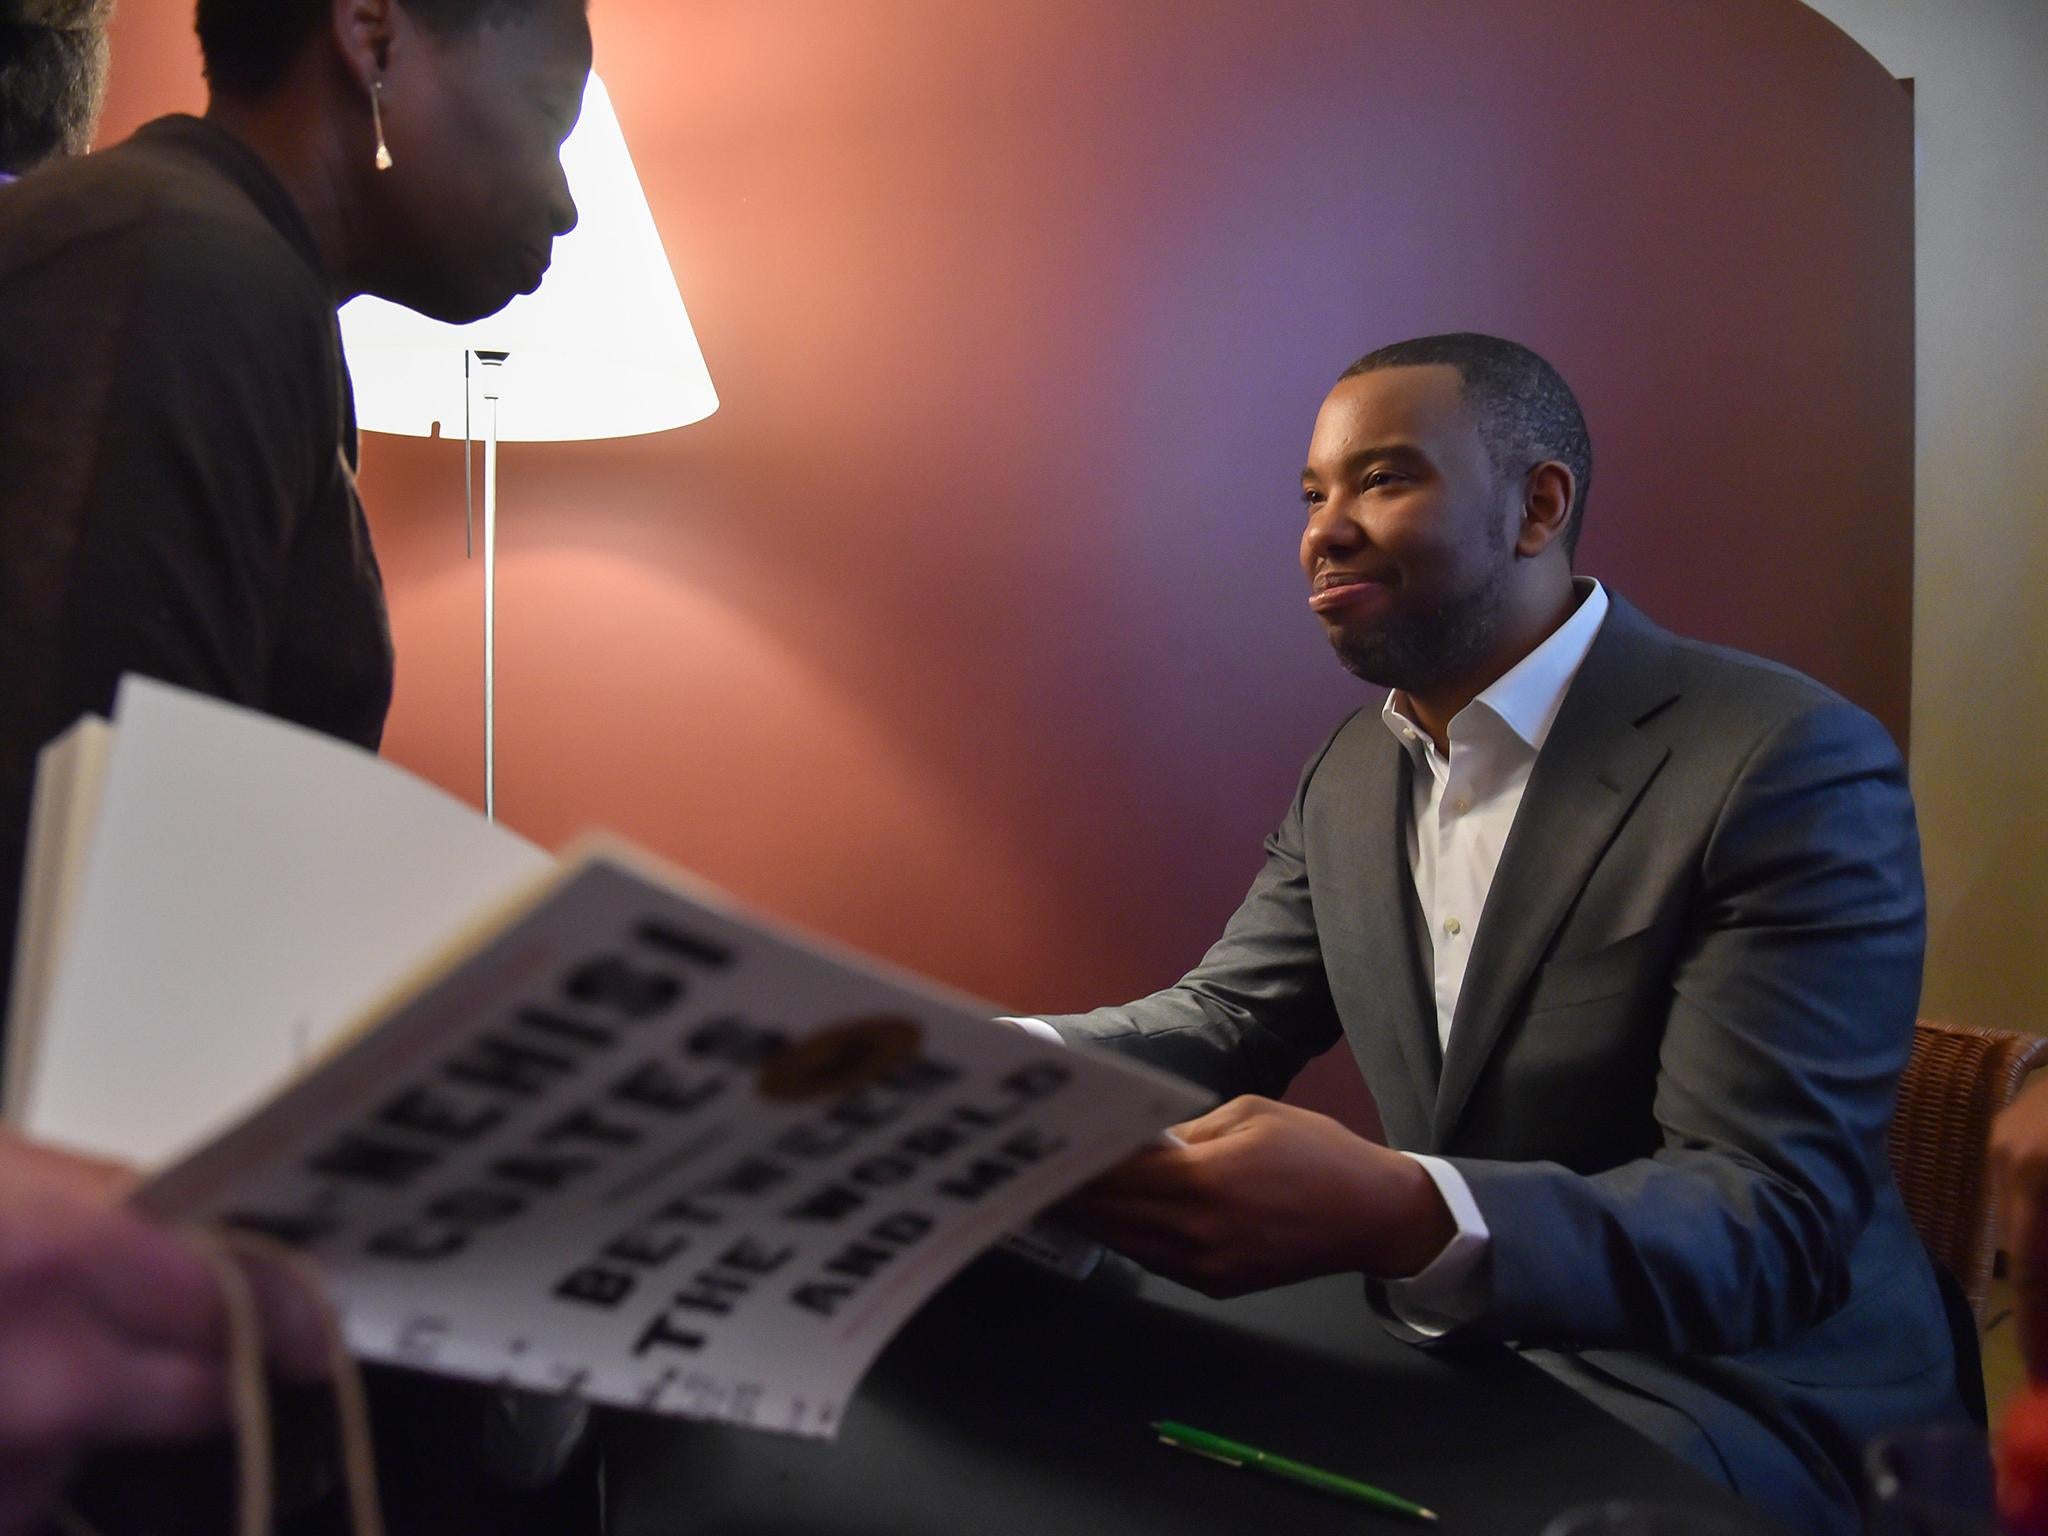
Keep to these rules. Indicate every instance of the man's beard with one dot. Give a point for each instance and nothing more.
(1417, 652)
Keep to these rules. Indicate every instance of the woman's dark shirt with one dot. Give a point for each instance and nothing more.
(177, 457)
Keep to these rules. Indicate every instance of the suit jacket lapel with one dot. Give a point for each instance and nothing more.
(1593, 768)
(1394, 925)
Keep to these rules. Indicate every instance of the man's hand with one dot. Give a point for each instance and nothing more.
(2019, 1182)
(1265, 1194)
(112, 1329)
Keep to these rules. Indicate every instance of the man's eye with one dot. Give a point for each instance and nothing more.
(1311, 499)
(1380, 477)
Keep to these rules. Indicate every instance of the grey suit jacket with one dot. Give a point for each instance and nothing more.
(1676, 1050)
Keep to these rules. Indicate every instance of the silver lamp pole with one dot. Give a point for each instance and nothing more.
(493, 374)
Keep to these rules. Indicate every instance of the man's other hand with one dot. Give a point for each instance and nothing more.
(112, 1329)
(1264, 1194)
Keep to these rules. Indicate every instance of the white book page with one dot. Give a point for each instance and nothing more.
(69, 773)
(251, 887)
(638, 1146)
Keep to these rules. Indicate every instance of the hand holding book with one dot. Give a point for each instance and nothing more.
(581, 1126)
(114, 1328)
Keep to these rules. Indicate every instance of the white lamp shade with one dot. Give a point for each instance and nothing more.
(603, 348)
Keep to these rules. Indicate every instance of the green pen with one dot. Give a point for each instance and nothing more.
(1184, 1438)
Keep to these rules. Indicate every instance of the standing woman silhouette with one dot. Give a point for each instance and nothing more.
(178, 498)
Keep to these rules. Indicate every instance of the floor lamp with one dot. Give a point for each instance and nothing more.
(604, 348)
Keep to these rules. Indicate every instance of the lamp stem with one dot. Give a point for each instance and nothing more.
(493, 362)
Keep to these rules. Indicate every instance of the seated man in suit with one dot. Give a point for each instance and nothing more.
(1625, 933)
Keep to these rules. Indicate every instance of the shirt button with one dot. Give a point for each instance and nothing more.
(1453, 927)
(1461, 806)
(1406, 734)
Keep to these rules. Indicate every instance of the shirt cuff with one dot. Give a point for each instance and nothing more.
(1452, 1289)
(1038, 1027)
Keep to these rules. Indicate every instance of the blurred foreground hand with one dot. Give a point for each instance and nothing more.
(113, 1329)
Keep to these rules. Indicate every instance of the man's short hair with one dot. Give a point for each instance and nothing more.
(53, 78)
(249, 45)
(1525, 411)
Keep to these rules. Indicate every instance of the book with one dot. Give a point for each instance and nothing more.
(580, 1125)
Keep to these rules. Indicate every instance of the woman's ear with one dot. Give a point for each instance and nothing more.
(364, 31)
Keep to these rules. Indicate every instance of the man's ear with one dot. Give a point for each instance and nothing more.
(364, 31)
(1547, 495)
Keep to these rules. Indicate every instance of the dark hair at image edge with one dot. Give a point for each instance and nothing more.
(53, 78)
(1525, 411)
(249, 45)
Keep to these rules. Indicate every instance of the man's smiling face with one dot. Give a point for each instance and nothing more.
(1411, 531)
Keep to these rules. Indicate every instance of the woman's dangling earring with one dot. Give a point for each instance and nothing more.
(377, 117)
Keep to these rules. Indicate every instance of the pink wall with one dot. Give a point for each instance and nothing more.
(969, 630)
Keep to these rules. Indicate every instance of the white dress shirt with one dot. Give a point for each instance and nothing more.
(1464, 806)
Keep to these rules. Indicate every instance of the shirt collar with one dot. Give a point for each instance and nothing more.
(1527, 697)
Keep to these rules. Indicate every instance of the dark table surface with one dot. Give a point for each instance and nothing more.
(1016, 1402)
